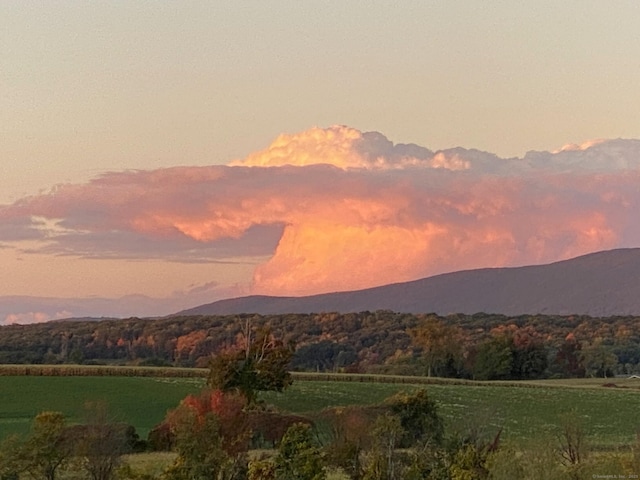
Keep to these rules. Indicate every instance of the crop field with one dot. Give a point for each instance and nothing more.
(524, 411)
(140, 401)
(609, 415)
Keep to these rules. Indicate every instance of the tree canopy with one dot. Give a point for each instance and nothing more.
(257, 362)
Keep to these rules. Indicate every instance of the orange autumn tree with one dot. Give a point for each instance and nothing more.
(441, 345)
(211, 436)
(229, 410)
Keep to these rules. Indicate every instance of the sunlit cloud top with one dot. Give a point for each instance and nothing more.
(344, 147)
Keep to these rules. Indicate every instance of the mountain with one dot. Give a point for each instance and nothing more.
(27, 309)
(599, 284)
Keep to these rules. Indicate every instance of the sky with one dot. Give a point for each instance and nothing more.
(190, 151)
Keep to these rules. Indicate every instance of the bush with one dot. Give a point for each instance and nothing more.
(262, 469)
(419, 418)
(161, 438)
(299, 457)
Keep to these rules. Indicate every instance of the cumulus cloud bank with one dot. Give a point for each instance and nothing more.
(337, 209)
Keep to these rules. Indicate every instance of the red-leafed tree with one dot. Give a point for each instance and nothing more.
(211, 436)
(233, 426)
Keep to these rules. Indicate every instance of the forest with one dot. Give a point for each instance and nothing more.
(480, 346)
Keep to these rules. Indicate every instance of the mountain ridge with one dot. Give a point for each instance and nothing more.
(604, 283)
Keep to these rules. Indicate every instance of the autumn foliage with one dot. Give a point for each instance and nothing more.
(229, 410)
(380, 342)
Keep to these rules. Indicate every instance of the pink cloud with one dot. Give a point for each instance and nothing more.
(34, 317)
(336, 209)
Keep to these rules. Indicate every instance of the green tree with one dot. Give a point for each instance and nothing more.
(419, 419)
(324, 356)
(99, 442)
(260, 363)
(441, 345)
(299, 457)
(598, 360)
(48, 448)
(384, 462)
(529, 360)
(494, 360)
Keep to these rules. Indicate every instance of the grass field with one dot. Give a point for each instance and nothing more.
(610, 415)
(142, 402)
(524, 410)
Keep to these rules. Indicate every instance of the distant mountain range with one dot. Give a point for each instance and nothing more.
(599, 284)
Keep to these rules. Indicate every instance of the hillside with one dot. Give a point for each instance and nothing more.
(598, 284)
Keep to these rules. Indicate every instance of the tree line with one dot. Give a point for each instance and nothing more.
(481, 346)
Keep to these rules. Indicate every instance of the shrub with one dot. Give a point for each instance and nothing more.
(299, 457)
(419, 418)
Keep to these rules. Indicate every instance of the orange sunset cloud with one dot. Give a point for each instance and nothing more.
(338, 209)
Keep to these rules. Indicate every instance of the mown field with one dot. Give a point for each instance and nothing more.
(525, 410)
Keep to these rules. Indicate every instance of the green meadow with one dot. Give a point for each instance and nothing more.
(525, 411)
(140, 401)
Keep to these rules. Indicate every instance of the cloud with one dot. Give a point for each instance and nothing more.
(590, 156)
(337, 209)
(345, 147)
(34, 317)
(183, 214)
(581, 147)
(22, 228)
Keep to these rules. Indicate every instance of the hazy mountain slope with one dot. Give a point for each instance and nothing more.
(599, 284)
